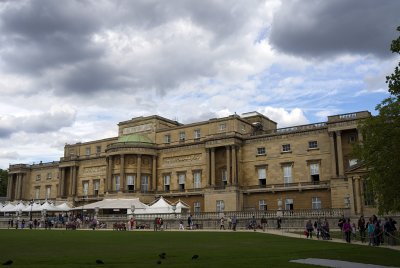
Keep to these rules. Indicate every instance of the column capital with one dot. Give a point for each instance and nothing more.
(331, 133)
(338, 133)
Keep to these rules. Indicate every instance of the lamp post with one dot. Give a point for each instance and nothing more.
(30, 213)
(44, 211)
(133, 209)
(96, 211)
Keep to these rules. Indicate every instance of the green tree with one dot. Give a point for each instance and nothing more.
(380, 149)
(3, 182)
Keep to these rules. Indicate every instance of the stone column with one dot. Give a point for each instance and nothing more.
(208, 178)
(9, 187)
(239, 169)
(122, 172)
(228, 165)
(74, 179)
(61, 182)
(21, 186)
(110, 172)
(18, 187)
(340, 153)
(70, 182)
(357, 194)
(360, 136)
(107, 174)
(212, 166)
(333, 154)
(351, 195)
(234, 167)
(138, 172)
(154, 174)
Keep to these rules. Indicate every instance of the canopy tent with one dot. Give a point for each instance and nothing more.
(63, 207)
(19, 207)
(8, 208)
(159, 207)
(116, 204)
(181, 207)
(48, 206)
(34, 207)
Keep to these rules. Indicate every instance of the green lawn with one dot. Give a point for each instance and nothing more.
(53, 248)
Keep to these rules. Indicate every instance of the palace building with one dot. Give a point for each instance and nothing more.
(223, 164)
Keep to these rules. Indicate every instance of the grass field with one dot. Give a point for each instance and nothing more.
(51, 248)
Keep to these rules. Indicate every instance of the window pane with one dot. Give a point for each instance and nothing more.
(314, 169)
(182, 177)
(262, 173)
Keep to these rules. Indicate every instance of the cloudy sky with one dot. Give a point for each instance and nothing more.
(71, 70)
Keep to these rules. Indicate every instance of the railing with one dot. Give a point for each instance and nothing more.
(287, 186)
(301, 128)
(349, 116)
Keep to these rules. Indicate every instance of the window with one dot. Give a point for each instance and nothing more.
(98, 149)
(144, 184)
(49, 176)
(181, 181)
(224, 178)
(167, 182)
(243, 128)
(316, 203)
(197, 179)
(369, 196)
(85, 188)
(222, 127)
(286, 148)
(37, 192)
(261, 151)
(262, 205)
(96, 187)
(220, 206)
(38, 177)
(167, 138)
(87, 151)
(182, 135)
(352, 138)
(262, 176)
(48, 192)
(287, 174)
(314, 172)
(289, 204)
(197, 208)
(312, 145)
(197, 134)
(117, 182)
(130, 182)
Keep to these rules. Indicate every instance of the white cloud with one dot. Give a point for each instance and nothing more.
(285, 118)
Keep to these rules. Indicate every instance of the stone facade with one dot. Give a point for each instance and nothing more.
(232, 163)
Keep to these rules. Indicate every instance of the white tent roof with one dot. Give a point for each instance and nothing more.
(180, 205)
(63, 207)
(115, 204)
(47, 206)
(19, 207)
(35, 207)
(160, 206)
(8, 208)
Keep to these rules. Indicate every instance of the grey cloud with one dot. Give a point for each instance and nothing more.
(37, 123)
(318, 28)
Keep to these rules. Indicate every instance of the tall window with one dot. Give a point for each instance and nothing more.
(224, 178)
(261, 151)
(87, 151)
(222, 127)
(49, 176)
(144, 184)
(98, 149)
(167, 138)
(197, 208)
(220, 206)
(262, 176)
(262, 205)
(197, 179)
(182, 135)
(286, 148)
(38, 177)
(181, 181)
(85, 188)
(117, 182)
(167, 182)
(197, 133)
(312, 145)
(48, 192)
(316, 203)
(37, 192)
(130, 182)
(287, 174)
(289, 204)
(96, 187)
(314, 172)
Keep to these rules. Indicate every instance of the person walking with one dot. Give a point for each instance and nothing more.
(222, 223)
(347, 230)
(253, 223)
(361, 228)
(263, 223)
(371, 232)
(309, 229)
(234, 222)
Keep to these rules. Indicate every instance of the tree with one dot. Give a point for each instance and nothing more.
(380, 149)
(3, 182)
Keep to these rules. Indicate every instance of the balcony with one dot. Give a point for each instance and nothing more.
(283, 187)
